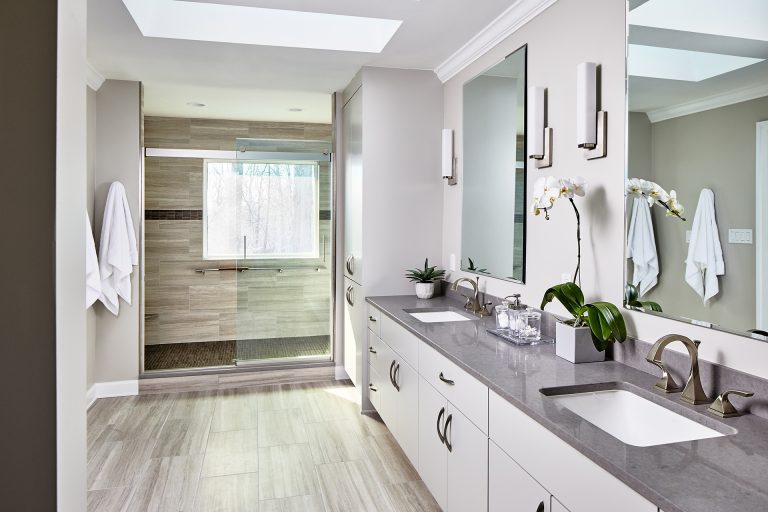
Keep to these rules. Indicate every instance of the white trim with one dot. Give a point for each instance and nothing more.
(341, 373)
(517, 15)
(709, 103)
(761, 225)
(110, 389)
(191, 153)
(93, 78)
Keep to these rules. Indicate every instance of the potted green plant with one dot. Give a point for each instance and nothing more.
(632, 299)
(584, 338)
(425, 279)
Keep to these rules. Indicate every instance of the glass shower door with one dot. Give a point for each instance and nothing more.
(284, 226)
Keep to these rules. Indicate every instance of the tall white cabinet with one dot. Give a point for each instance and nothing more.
(391, 149)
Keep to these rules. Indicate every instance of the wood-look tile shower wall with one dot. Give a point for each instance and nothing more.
(184, 306)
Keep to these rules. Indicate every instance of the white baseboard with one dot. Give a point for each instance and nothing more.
(109, 389)
(341, 373)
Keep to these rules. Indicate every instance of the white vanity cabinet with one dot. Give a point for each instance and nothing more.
(354, 330)
(510, 488)
(453, 453)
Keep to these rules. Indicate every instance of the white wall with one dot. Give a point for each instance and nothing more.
(117, 157)
(70, 257)
(90, 314)
(570, 32)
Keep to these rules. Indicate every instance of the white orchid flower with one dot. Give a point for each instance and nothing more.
(580, 186)
(675, 208)
(635, 187)
(552, 187)
(654, 192)
(566, 188)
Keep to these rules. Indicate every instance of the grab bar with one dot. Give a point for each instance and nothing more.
(244, 269)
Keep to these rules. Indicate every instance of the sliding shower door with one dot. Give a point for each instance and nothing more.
(270, 210)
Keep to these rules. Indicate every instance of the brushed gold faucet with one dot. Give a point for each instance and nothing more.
(473, 304)
(693, 393)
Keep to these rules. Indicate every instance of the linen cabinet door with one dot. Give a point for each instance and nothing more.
(433, 455)
(510, 488)
(467, 463)
(354, 331)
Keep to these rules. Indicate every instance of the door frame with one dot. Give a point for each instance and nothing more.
(761, 223)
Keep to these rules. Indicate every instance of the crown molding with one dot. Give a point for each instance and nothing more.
(517, 15)
(709, 103)
(93, 78)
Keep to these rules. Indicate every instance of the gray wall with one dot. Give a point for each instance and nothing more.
(27, 217)
(117, 157)
(713, 149)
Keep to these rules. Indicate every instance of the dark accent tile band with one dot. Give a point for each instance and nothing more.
(325, 214)
(173, 214)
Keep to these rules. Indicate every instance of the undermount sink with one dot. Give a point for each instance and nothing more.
(438, 315)
(629, 417)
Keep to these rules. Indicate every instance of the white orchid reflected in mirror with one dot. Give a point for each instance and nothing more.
(654, 194)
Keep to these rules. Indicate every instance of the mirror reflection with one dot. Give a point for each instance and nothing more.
(697, 169)
(493, 213)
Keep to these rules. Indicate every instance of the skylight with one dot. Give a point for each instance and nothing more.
(200, 21)
(673, 64)
(747, 19)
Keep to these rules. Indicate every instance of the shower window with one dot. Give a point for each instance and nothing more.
(260, 210)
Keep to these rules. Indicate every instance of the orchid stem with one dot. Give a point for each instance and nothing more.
(577, 273)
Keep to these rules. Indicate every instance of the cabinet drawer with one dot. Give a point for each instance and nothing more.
(374, 316)
(464, 391)
(535, 448)
(374, 387)
(380, 356)
(401, 341)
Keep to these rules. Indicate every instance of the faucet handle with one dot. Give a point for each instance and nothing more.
(723, 407)
(666, 383)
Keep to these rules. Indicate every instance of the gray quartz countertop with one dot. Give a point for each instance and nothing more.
(723, 474)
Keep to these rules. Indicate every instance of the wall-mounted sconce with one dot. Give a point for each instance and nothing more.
(539, 136)
(449, 162)
(591, 124)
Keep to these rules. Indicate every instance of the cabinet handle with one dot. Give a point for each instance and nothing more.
(397, 377)
(439, 433)
(391, 374)
(446, 433)
(351, 296)
(372, 318)
(541, 507)
(372, 350)
(447, 381)
(351, 265)
(372, 387)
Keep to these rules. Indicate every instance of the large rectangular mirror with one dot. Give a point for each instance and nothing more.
(697, 167)
(493, 211)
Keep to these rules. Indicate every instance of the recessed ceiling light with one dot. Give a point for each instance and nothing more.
(745, 19)
(674, 64)
(195, 104)
(201, 21)
(295, 110)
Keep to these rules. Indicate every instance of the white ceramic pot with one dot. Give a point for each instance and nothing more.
(425, 290)
(574, 344)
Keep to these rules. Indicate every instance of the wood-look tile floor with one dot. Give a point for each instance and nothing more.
(292, 447)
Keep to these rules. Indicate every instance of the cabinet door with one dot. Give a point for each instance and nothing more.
(352, 131)
(433, 455)
(510, 489)
(557, 506)
(374, 387)
(354, 331)
(406, 400)
(467, 464)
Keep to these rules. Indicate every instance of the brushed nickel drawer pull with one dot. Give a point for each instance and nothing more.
(447, 381)
(446, 433)
(372, 318)
(439, 433)
(372, 350)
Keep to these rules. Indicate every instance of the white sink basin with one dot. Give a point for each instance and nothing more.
(438, 316)
(632, 419)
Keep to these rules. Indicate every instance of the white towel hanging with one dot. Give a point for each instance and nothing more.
(641, 247)
(92, 274)
(705, 254)
(117, 252)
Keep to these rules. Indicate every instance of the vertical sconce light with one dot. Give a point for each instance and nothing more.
(539, 136)
(591, 123)
(449, 166)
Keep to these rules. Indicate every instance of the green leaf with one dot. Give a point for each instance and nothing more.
(606, 324)
(569, 295)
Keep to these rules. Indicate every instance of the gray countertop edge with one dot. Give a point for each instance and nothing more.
(635, 482)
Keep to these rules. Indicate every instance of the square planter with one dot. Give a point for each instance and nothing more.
(574, 344)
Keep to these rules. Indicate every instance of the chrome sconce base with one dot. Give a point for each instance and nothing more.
(545, 160)
(601, 148)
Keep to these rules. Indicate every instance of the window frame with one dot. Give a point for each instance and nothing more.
(314, 255)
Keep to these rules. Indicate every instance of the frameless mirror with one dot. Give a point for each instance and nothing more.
(697, 167)
(493, 211)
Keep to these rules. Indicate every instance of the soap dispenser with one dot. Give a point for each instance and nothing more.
(514, 310)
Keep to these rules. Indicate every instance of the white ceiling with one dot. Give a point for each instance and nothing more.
(707, 27)
(243, 81)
